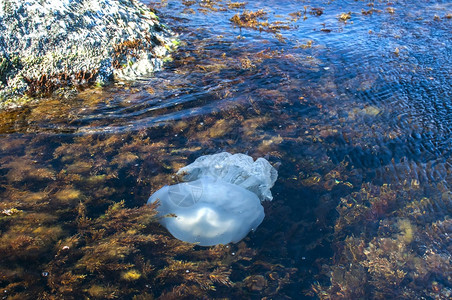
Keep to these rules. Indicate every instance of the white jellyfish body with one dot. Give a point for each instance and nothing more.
(220, 203)
(209, 211)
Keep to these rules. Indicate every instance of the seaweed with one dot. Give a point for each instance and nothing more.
(390, 255)
(103, 247)
(352, 219)
(45, 84)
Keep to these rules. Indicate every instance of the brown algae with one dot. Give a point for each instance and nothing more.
(361, 209)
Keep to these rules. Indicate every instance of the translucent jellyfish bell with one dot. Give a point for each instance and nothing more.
(209, 211)
(220, 203)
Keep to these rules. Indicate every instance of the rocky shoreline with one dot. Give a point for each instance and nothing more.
(50, 44)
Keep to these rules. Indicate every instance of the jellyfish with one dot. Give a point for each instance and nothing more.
(219, 201)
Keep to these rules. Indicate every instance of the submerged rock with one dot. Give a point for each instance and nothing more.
(47, 44)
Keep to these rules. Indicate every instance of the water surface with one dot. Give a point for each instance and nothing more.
(351, 100)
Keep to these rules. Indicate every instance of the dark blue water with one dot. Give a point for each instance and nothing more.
(352, 100)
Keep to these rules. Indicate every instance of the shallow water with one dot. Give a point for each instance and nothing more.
(355, 113)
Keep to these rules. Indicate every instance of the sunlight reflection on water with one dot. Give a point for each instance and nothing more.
(357, 113)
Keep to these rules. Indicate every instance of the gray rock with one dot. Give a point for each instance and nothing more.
(47, 44)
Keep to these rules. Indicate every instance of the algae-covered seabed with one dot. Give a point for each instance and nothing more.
(351, 100)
